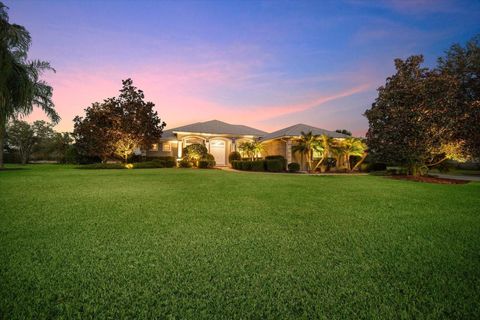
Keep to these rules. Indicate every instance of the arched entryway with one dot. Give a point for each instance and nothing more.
(217, 149)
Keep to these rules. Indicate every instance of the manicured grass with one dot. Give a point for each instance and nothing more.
(183, 243)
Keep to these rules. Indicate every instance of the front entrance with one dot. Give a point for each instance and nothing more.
(217, 149)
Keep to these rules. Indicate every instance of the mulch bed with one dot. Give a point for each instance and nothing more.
(430, 179)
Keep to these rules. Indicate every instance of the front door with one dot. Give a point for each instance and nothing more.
(217, 149)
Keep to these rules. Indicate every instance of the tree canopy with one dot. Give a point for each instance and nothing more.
(118, 125)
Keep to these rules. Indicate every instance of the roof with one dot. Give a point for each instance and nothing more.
(296, 130)
(214, 127)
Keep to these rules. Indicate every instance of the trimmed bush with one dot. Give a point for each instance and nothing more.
(185, 163)
(206, 164)
(149, 164)
(275, 165)
(278, 157)
(170, 163)
(234, 156)
(102, 166)
(293, 167)
(258, 165)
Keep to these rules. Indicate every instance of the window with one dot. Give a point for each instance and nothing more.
(154, 147)
(166, 147)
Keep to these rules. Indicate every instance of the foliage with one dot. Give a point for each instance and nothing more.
(307, 143)
(463, 64)
(21, 138)
(185, 163)
(324, 144)
(234, 155)
(293, 167)
(412, 118)
(252, 149)
(344, 131)
(278, 157)
(275, 165)
(118, 125)
(195, 152)
(21, 87)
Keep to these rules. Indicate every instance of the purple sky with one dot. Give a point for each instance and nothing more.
(267, 64)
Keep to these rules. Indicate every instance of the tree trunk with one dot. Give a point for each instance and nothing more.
(361, 161)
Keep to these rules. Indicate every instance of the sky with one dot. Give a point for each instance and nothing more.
(265, 64)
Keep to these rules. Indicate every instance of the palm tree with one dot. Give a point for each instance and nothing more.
(346, 148)
(247, 148)
(257, 148)
(324, 145)
(20, 85)
(307, 143)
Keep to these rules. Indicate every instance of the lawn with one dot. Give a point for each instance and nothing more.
(184, 243)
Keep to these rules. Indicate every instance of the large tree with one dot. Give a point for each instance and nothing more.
(463, 63)
(118, 125)
(412, 121)
(20, 85)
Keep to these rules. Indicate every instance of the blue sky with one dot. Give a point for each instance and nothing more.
(267, 64)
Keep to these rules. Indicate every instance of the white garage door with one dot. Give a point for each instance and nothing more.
(217, 149)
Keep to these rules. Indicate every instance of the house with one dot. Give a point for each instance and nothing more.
(221, 138)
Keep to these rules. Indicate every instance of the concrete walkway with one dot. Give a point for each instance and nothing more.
(457, 177)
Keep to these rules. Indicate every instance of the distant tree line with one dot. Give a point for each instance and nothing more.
(38, 141)
(424, 116)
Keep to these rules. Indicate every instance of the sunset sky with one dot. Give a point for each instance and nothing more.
(267, 64)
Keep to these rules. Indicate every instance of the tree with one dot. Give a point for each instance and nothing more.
(344, 131)
(21, 138)
(195, 152)
(325, 145)
(118, 125)
(352, 147)
(411, 121)
(307, 143)
(20, 85)
(463, 63)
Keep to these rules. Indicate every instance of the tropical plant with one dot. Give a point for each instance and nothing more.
(324, 145)
(20, 85)
(306, 144)
(252, 149)
(352, 147)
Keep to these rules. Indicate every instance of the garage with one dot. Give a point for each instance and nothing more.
(217, 149)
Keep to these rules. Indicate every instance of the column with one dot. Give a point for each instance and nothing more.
(207, 145)
(180, 149)
(288, 151)
(234, 145)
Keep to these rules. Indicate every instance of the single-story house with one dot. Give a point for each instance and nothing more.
(221, 138)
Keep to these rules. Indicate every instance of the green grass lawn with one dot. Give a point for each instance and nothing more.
(183, 243)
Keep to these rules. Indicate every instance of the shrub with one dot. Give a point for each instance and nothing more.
(293, 167)
(278, 157)
(274, 165)
(234, 156)
(236, 164)
(185, 163)
(171, 163)
(206, 164)
(149, 164)
(102, 166)
(257, 165)
(195, 152)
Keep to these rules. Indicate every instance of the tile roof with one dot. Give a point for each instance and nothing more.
(214, 127)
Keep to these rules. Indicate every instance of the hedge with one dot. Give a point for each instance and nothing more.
(278, 157)
(271, 165)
